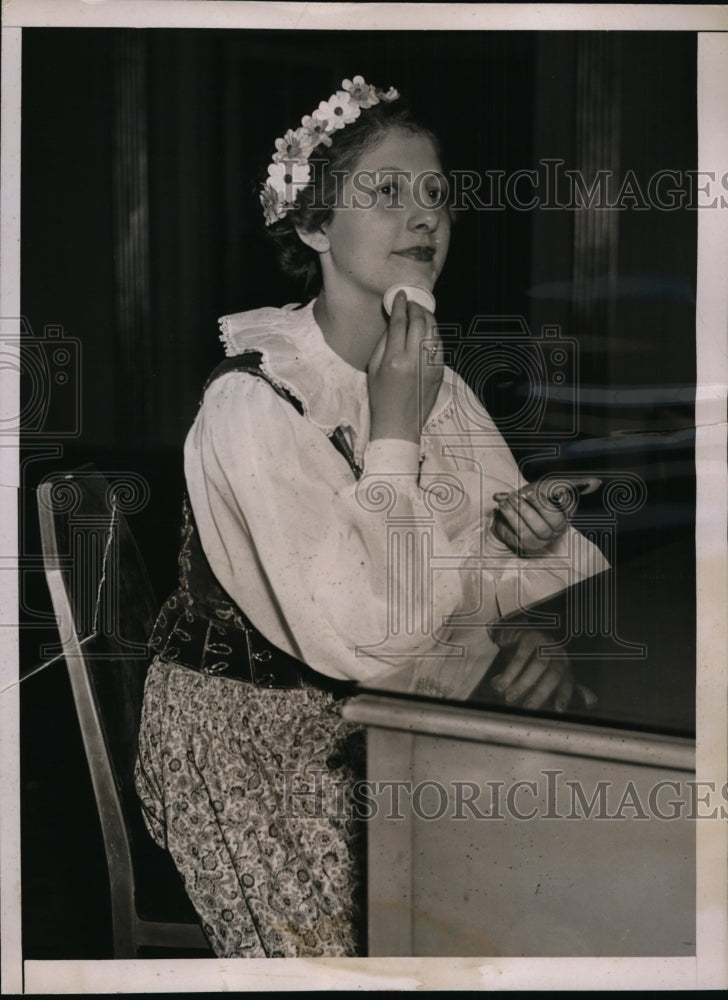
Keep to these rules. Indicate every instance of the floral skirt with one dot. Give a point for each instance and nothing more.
(249, 789)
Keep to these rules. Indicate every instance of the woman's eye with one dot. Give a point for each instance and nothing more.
(435, 192)
(386, 189)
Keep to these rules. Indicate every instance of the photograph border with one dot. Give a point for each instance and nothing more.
(709, 968)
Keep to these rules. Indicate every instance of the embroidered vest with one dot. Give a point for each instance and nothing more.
(201, 627)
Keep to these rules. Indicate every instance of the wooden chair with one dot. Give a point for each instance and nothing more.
(105, 607)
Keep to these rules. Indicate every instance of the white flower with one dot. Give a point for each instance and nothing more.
(339, 110)
(288, 178)
(362, 93)
(293, 147)
(315, 126)
(273, 208)
(389, 95)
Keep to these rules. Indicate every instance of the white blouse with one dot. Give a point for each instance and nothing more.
(390, 580)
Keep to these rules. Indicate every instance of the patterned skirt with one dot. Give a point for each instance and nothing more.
(249, 789)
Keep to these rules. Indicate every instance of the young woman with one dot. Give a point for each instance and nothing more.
(330, 427)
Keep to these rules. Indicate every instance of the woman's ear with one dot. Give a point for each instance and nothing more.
(314, 238)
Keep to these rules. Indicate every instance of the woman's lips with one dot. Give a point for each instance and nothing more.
(425, 254)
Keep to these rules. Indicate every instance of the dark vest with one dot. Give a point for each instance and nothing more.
(201, 627)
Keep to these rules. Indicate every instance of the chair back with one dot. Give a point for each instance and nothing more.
(105, 606)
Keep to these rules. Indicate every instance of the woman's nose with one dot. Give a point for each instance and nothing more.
(423, 220)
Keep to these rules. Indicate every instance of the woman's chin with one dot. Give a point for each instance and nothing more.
(420, 277)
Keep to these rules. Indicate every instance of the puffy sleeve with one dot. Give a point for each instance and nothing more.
(469, 444)
(301, 546)
(367, 579)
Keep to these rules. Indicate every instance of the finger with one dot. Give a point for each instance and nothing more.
(545, 495)
(550, 680)
(527, 679)
(526, 540)
(397, 330)
(423, 333)
(550, 514)
(533, 516)
(432, 334)
(416, 326)
(564, 693)
(507, 514)
(504, 533)
(518, 661)
(588, 696)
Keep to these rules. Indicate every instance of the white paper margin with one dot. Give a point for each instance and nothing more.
(709, 970)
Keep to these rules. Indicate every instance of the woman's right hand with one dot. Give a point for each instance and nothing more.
(403, 379)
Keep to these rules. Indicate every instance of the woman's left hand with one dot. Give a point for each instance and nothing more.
(531, 679)
(527, 521)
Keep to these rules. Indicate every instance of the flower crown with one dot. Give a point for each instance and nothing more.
(290, 171)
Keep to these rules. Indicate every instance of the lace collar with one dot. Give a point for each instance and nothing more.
(296, 356)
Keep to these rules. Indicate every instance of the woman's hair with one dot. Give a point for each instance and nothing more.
(315, 202)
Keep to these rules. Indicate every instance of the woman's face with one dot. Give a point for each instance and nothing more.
(392, 226)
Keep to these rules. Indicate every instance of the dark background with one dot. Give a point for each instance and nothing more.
(140, 226)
